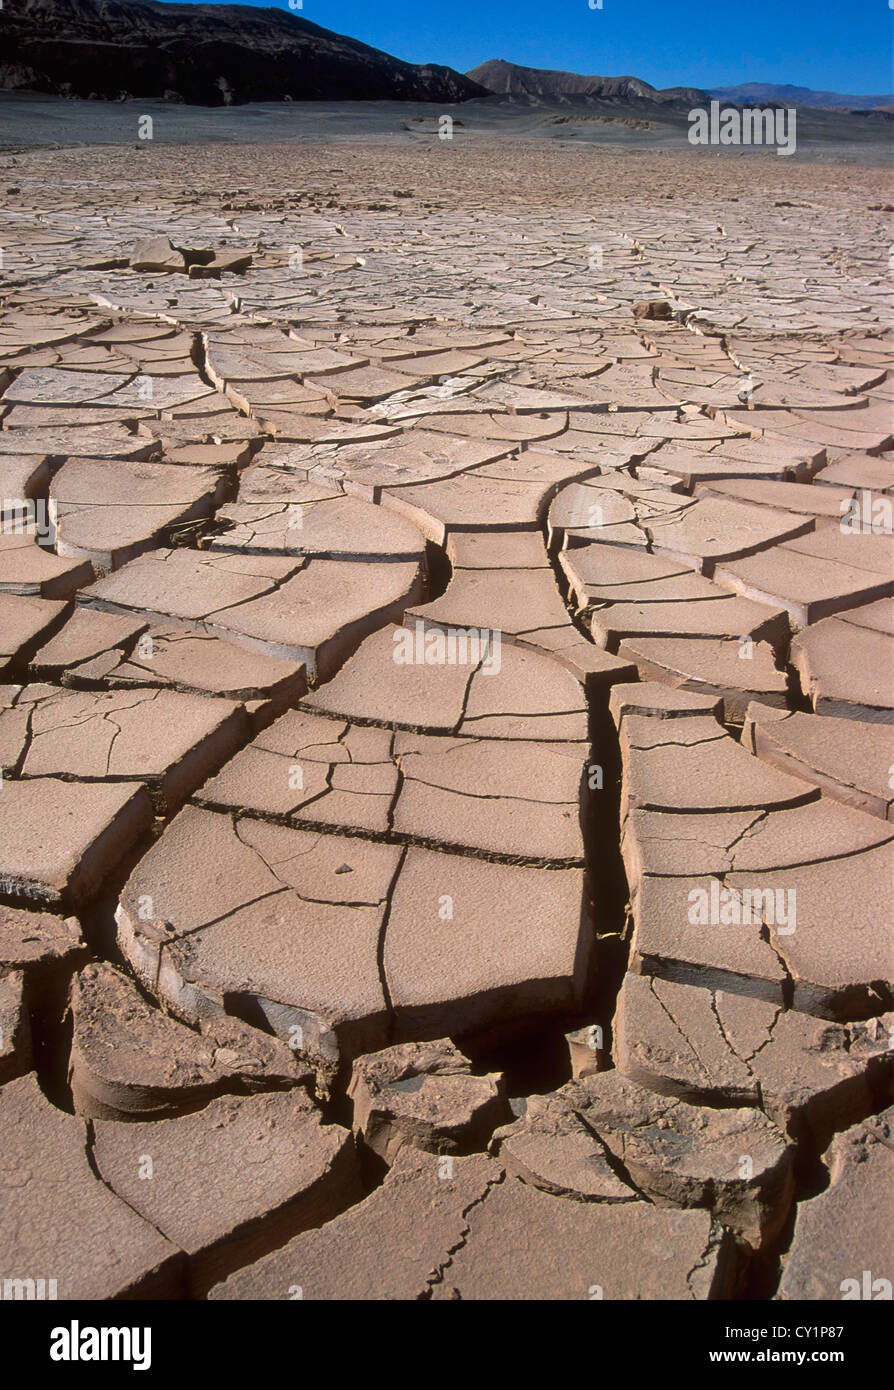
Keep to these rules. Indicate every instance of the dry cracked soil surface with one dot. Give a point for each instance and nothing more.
(447, 723)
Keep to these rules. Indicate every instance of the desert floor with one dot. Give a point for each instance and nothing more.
(500, 526)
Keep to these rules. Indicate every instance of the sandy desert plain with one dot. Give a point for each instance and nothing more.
(447, 636)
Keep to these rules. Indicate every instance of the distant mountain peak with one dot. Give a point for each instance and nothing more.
(760, 93)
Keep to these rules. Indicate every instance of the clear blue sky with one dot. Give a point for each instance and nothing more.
(830, 45)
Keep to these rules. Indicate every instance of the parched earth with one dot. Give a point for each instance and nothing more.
(447, 730)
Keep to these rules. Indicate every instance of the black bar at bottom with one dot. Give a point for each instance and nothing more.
(295, 1341)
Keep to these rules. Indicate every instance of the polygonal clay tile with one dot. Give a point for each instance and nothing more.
(31, 421)
(727, 618)
(806, 586)
(228, 363)
(505, 798)
(59, 1221)
(274, 1170)
(659, 701)
(483, 550)
(285, 922)
(424, 1095)
(484, 425)
(159, 393)
(676, 937)
(97, 414)
(597, 670)
(740, 458)
(850, 760)
(320, 361)
(157, 254)
(170, 742)
(511, 601)
(311, 770)
(846, 670)
(717, 529)
(108, 512)
(548, 470)
(392, 1245)
(691, 1156)
(59, 840)
(587, 510)
(470, 502)
(842, 1246)
(664, 1041)
(129, 1059)
(280, 407)
(337, 528)
(693, 765)
(41, 945)
(232, 454)
(550, 1147)
(198, 663)
(858, 417)
(735, 672)
(189, 585)
(418, 680)
(520, 694)
(87, 635)
(470, 944)
(29, 568)
(872, 551)
(823, 429)
(707, 843)
(858, 471)
(824, 924)
(23, 623)
(233, 262)
(879, 616)
(56, 386)
(274, 477)
(599, 573)
(85, 441)
(314, 426)
(21, 477)
(628, 1250)
(412, 458)
(520, 400)
(811, 1077)
(320, 615)
(791, 497)
(366, 384)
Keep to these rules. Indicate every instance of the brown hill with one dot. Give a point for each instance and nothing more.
(544, 84)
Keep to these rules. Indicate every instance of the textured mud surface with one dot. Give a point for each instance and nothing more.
(447, 724)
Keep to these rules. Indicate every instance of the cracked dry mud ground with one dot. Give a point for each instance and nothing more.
(563, 966)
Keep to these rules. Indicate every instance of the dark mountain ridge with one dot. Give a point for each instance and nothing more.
(205, 54)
